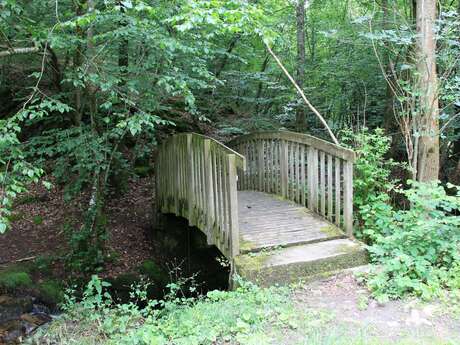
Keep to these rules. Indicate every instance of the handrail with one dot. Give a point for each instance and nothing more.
(299, 167)
(197, 179)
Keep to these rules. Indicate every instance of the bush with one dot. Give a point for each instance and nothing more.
(417, 249)
(12, 280)
(244, 316)
(153, 272)
(371, 180)
(51, 292)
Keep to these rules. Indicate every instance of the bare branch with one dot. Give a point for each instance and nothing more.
(17, 51)
(299, 90)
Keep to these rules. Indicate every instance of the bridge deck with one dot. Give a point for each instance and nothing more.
(266, 221)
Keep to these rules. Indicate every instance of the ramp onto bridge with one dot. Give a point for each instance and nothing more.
(268, 222)
(251, 201)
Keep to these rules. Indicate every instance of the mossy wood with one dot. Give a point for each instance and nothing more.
(299, 167)
(196, 180)
(254, 198)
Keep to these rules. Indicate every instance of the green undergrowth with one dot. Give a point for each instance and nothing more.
(34, 278)
(248, 315)
(12, 279)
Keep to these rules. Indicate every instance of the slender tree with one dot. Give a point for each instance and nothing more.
(428, 150)
(300, 76)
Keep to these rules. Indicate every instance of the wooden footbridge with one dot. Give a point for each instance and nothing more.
(278, 205)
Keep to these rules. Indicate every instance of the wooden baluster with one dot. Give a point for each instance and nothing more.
(284, 168)
(251, 165)
(329, 188)
(260, 165)
(291, 176)
(302, 175)
(233, 207)
(217, 213)
(337, 191)
(267, 165)
(312, 157)
(323, 183)
(209, 214)
(177, 174)
(203, 184)
(348, 198)
(272, 166)
(297, 172)
(191, 173)
(196, 182)
(225, 238)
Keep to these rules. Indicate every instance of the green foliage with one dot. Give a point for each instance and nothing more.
(417, 250)
(87, 243)
(37, 220)
(372, 170)
(51, 292)
(42, 265)
(11, 280)
(240, 316)
(153, 272)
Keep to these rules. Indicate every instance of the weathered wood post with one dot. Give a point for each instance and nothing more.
(260, 164)
(209, 192)
(284, 168)
(312, 177)
(191, 181)
(233, 207)
(348, 197)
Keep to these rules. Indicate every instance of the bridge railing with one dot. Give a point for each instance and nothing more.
(302, 168)
(196, 179)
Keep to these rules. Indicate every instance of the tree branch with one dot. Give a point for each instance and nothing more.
(299, 90)
(16, 51)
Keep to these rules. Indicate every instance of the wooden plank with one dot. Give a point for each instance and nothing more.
(323, 183)
(291, 176)
(233, 207)
(337, 191)
(209, 189)
(260, 165)
(302, 175)
(335, 150)
(276, 166)
(215, 190)
(329, 188)
(225, 211)
(191, 174)
(284, 168)
(312, 156)
(297, 171)
(348, 198)
(262, 228)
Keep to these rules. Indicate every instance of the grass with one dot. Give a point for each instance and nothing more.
(244, 316)
(15, 277)
(247, 316)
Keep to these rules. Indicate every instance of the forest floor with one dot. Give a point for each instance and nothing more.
(40, 218)
(350, 316)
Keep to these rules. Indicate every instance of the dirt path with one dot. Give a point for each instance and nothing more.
(350, 316)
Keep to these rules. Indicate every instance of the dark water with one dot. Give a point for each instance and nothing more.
(185, 252)
(20, 316)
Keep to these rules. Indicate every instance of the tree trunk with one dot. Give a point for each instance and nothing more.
(300, 16)
(90, 87)
(77, 63)
(261, 84)
(123, 49)
(428, 153)
(389, 122)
